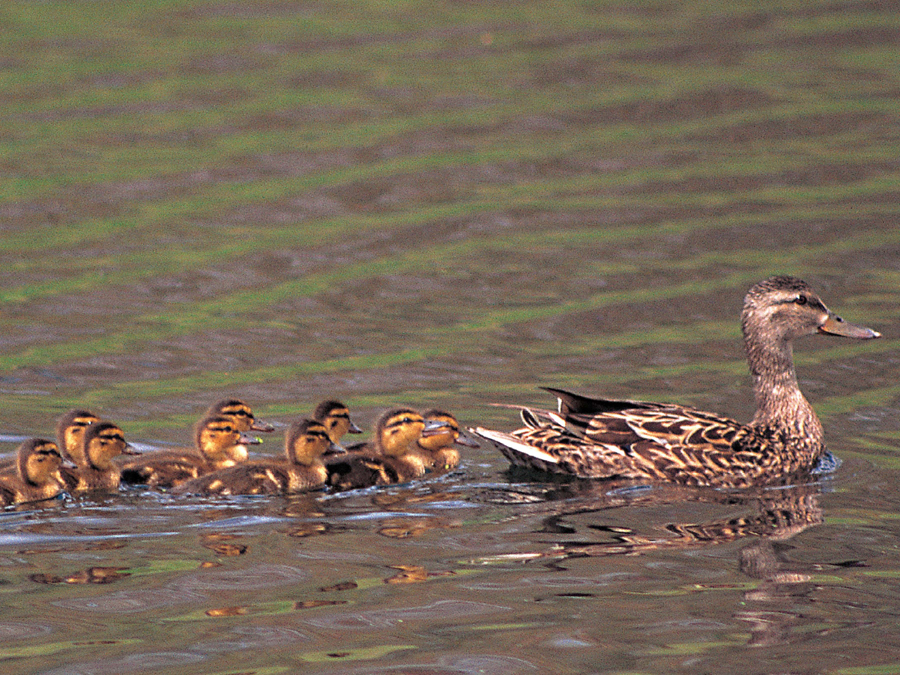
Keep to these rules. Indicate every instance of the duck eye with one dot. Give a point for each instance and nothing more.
(801, 300)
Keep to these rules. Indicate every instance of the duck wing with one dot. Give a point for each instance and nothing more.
(656, 442)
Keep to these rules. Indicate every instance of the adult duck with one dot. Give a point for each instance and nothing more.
(218, 444)
(299, 470)
(598, 438)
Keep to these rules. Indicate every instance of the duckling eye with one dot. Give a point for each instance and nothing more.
(801, 300)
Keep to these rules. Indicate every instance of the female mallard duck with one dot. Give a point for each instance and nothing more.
(336, 418)
(100, 444)
(35, 475)
(301, 469)
(389, 458)
(240, 413)
(70, 431)
(436, 444)
(218, 444)
(596, 438)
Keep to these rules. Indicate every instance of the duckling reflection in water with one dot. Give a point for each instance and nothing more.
(301, 469)
(435, 446)
(389, 458)
(35, 476)
(218, 444)
(99, 445)
(657, 442)
(336, 418)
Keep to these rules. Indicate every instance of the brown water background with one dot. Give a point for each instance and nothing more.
(446, 203)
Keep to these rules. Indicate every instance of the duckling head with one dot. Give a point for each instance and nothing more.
(398, 430)
(336, 418)
(70, 431)
(241, 413)
(38, 461)
(102, 442)
(442, 431)
(221, 442)
(306, 442)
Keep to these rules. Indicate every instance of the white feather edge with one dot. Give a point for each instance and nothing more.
(514, 443)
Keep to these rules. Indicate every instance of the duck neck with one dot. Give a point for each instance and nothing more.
(781, 408)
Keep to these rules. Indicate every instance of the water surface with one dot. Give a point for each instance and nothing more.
(446, 204)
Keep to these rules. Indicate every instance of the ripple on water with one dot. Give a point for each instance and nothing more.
(10, 630)
(252, 578)
(249, 637)
(130, 664)
(127, 602)
(442, 609)
(452, 665)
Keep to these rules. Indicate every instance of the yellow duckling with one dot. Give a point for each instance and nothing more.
(70, 431)
(336, 418)
(101, 442)
(218, 444)
(300, 469)
(390, 458)
(436, 444)
(35, 475)
(240, 413)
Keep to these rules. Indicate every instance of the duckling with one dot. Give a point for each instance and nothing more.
(241, 413)
(35, 476)
(668, 443)
(336, 418)
(70, 431)
(436, 444)
(388, 459)
(218, 444)
(300, 469)
(94, 469)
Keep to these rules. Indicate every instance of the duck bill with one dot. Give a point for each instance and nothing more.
(264, 427)
(354, 429)
(835, 325)
(335, 449)
(466, 441)
(129, 449)
(247, 439)
(433, 428)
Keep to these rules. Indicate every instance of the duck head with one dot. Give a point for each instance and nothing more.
(442, 431)
(398, 430)
(241, 414)
(307, 441)
(221, 441)
(101, 443)
(38, 461)
(336, 418)
(70, 432)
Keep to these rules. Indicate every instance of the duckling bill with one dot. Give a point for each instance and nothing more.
(658, 442)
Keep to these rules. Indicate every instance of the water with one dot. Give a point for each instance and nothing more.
(446, 204)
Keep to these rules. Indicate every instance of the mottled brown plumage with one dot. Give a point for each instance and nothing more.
(70, 431)
(240, 413)
(596, 438)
